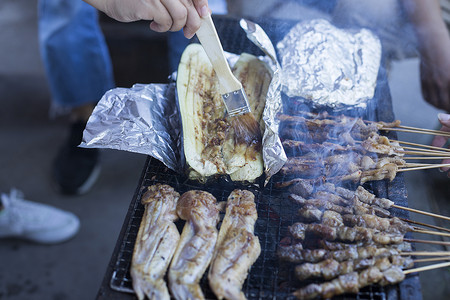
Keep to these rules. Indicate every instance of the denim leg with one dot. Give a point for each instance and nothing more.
(74, 52)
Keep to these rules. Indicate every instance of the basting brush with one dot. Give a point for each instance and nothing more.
(242, 120)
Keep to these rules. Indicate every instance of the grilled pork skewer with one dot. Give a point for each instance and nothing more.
(295, 253)
(155, 243)
(344, 233)
(196, 246)
(328, 130)
(323, 118)
(237, 247)
(330, 268)
(374, 144)
(317, 205)
(351, 283)
(311, 166)
(335, 219)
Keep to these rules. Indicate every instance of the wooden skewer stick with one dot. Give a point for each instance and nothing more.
(421, 145)
(423, 129)
(426, 268)
(424, 224)
(426, 157)
(426, 153)
(427, 242)
(441, 133)
(425, 253)
(431, 232)
(431, 166)
(411, 165)
(425, 150)
(421, 212)
(420, 260)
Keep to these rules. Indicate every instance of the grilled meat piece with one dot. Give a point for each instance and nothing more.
(380, 144)
(392, 275)
(296, 253)
(302, 188)
(369, 198)
(298, 230)
(237, 247)
(387, 171)
(328, 217)
(332, 219)
(310, 213)
(196, 246)
(331, 197)
(155, 243)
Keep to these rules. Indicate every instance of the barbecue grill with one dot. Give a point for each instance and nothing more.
(268, 278)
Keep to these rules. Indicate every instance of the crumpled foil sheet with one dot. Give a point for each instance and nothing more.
(329, 66)
(274, 155)
(143, 119)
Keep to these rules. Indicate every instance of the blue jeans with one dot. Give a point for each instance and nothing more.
(74, 52)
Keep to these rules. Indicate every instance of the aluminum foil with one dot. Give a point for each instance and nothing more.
(329, 66)
(143, 119)
(274, 156)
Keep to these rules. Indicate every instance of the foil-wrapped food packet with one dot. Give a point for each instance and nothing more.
(329, 66)
(145, 119)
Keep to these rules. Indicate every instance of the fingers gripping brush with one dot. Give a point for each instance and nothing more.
(242, 120)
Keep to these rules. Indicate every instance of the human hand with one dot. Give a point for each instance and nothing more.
(165, 15)
(440, 141)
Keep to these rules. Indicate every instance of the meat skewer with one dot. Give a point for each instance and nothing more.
(344, 120)
(312, 208)
(365, 196)
(344, 233)
(196, 246)
(237, 247)
(351, 283)
(330, 268)
(295, 253)
(155, 243)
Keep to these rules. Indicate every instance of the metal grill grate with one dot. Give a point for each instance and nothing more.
(268, 278)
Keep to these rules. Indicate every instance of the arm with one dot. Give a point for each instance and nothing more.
(440, 141)
(434, 48)
(165, 15)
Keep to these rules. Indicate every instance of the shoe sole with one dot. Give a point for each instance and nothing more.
(85, 187)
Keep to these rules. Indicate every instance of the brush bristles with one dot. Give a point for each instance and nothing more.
(246, 129)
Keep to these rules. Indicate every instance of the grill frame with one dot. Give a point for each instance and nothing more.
(268, 278)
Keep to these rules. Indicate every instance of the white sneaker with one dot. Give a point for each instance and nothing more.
(34, 221)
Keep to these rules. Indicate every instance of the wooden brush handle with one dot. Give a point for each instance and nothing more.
(209, 39)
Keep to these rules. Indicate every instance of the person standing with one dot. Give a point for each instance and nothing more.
(79, 71)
